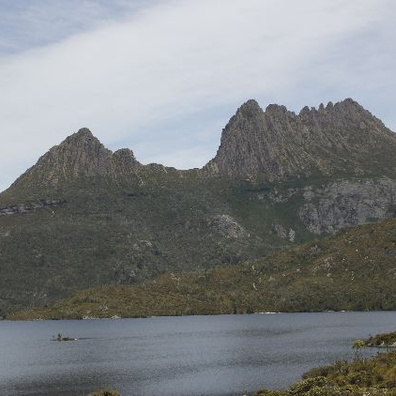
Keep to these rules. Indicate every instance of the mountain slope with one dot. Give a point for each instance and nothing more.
(85, 216)
(353, 270)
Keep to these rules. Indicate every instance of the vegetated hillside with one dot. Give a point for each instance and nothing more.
(84, 216)
(126, 234)
(353, 270)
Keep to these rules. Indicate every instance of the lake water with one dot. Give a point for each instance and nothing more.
(193, 355)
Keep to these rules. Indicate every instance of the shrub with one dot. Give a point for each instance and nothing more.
(104, 392)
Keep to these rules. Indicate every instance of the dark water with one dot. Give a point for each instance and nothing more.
(195, 355)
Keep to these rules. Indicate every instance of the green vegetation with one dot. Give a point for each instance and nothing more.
(352, 270)
(125, 234)
(362, 377)
(105, 393)
(386, 340)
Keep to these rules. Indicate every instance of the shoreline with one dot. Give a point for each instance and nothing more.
(117, 317)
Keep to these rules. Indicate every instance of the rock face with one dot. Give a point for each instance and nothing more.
(79, 156)
(347, 203)
(228, 227)
(30, 206)
(337, 140)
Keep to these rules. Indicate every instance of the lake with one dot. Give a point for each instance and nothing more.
(191, 355)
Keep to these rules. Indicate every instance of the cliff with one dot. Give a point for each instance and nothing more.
(341, 140)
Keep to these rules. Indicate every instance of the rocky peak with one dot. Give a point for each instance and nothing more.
(81, 155)
(249, 109)
(277, 110)
(337, 139)
(84, 143)
(81, 134)
(124, 162)
(349, 103)
(256, 143)
(125, 153)
(83, 139)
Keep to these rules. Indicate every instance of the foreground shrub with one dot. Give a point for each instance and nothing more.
(362, 377)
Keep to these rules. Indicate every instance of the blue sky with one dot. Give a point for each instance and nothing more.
(163, 77)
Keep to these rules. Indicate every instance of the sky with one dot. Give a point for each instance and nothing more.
(164, 77)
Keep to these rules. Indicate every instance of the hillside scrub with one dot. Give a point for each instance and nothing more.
(352, 270)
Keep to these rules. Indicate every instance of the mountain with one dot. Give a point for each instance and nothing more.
(81, 156)
(84, 216)
(341, 140)
(352, 270)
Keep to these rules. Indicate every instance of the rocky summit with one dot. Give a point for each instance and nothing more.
(341, 140)
(84, 216)
(79, 156)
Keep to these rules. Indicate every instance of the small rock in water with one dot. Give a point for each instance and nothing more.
(61, 337)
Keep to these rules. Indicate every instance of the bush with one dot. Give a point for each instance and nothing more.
(310, 386)
(104, 392)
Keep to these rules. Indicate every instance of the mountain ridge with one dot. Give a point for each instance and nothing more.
(277, 144)
(336, 140)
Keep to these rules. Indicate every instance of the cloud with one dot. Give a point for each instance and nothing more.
(33, 23)
(157, 78)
